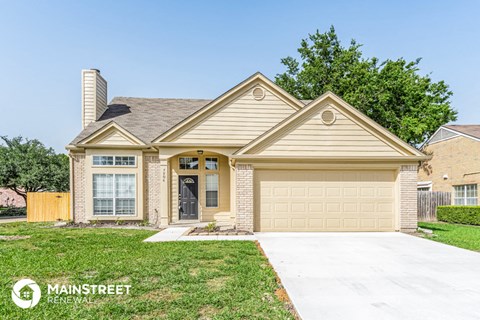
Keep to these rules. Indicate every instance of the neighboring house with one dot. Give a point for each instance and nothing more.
(455, 163)
(255, 157)
(9, 198)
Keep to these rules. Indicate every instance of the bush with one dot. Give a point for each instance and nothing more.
(12, 211)
(459, 214)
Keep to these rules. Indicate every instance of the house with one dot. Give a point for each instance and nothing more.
(9, 198)
(255, 158)
(455, 163)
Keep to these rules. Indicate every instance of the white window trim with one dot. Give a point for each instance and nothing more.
(114, 198)
(212, 172)
(465, 194)
(113, 166)
(425, 184)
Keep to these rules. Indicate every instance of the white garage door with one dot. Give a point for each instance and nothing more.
(324, 200)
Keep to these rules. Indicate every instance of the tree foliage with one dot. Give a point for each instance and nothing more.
(28, 166)
(392, 92)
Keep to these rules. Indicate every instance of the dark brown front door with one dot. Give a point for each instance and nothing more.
(188, 197)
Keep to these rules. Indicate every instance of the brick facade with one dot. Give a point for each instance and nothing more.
(408, 198)
(458, 159)
(9, 198)
(244, 197)
(152, 180)
(78, 188)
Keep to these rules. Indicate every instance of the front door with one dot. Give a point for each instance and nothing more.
(188, 197)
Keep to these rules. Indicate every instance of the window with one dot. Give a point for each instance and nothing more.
(113, 194)
(102, 160)
(423, 188)
(128, 161)
(465, 195)
(212, 190)
(187, 163)
(211, 164)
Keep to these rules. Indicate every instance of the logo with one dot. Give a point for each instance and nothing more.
(26, 293)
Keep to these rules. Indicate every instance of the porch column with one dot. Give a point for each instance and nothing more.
(244, 196)
(408, 198)
(164, 191)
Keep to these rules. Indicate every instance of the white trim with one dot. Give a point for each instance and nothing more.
(425, 184)
(113, 165)
(114, 197)
(452, 131)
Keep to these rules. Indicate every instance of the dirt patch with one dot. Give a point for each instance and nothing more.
(160, 295)
(280, 292)
(207, 312)
(13, 238)
(217, 282)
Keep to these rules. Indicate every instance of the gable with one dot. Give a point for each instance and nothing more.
(308, 133)
(442, 134)
(241, 120)
(111, 135)
(236, 117)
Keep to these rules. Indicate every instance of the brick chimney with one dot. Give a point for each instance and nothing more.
(94, 96)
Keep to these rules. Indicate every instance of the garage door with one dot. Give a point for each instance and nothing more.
(324, 200)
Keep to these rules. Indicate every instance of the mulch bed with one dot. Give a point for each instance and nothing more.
(113, 224)
(218, 232)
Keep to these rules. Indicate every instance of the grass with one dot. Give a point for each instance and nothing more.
(463, 236)
(178, 280)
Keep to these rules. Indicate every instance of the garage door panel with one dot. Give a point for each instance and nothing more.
(324, 200)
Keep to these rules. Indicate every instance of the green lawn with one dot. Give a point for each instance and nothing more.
(467, 237)
(179, 280)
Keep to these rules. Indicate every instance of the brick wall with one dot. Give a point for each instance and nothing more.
(10, 198)
(244, 196)
(79, 214)
(408, 198)
(152, 181)
(458, 158)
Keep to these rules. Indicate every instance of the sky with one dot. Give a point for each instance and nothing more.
(200, 49)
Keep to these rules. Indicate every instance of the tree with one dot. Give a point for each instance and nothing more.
(392, 92)
(28, 166)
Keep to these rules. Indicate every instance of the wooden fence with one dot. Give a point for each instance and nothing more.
(48, 206)
(428, 201)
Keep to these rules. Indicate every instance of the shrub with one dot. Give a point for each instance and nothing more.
(459, 214)
(211, 227)
(13, 211)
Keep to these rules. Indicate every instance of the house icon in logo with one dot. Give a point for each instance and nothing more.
(26, 293)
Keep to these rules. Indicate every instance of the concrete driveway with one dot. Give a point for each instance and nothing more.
(375, 276)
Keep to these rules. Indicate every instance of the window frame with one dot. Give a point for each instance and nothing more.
(205, 164)
(114, 196)
(218, 190)
(465, 196)
(114, 165)
(189, 157)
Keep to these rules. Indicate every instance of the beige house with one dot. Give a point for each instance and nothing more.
(255, 158)
(455, 163)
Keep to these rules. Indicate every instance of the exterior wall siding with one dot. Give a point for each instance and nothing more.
(458, 158)
(152, 188)
(78, 188)
(408, 198)
(342, 138)
(241, 121)
(94, 96)
(244, 197)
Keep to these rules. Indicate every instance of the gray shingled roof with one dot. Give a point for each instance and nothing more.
(469, 129)
(143, 117)
(146, 118)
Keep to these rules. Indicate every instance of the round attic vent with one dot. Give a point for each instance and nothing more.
(328, 117)
(258, 93)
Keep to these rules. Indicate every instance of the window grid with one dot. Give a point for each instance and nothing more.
(465, 195)
(125, 161)
(188, 163)
(114, 194)
(211, 196)
(211, 164)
